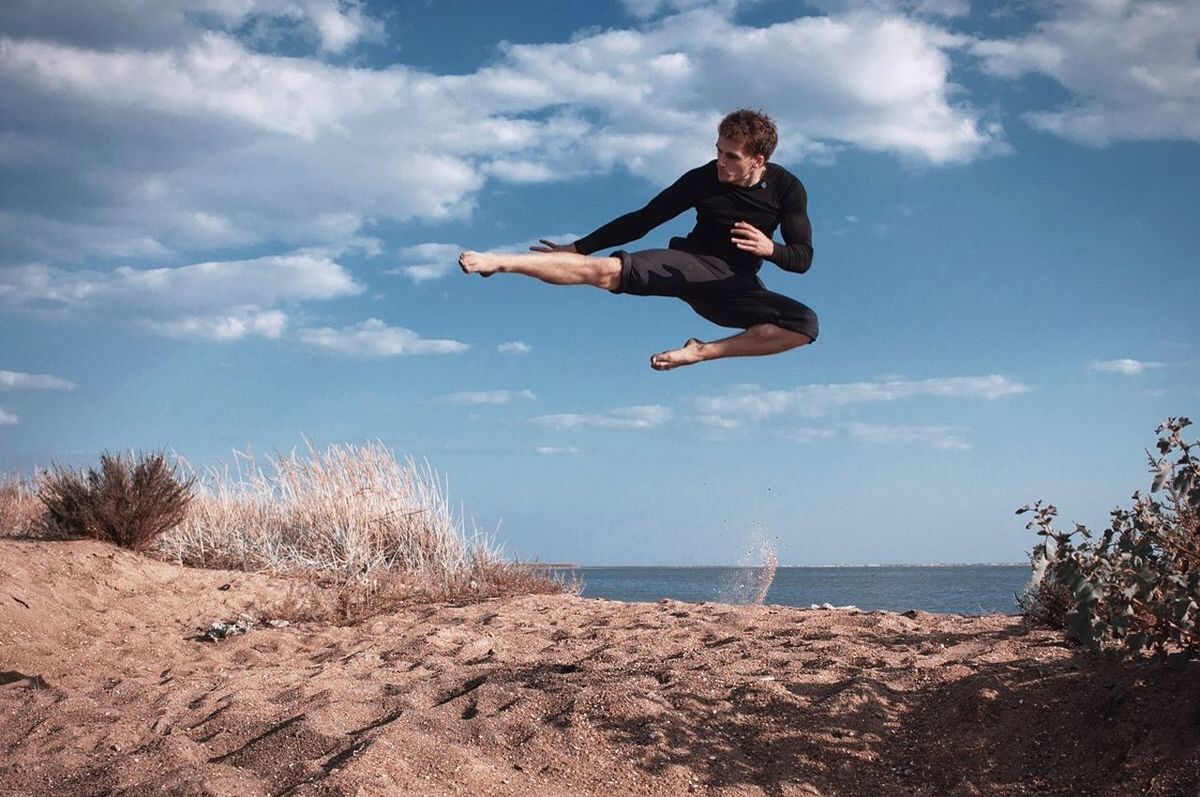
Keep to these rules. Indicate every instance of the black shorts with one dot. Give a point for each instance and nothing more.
(714, 290)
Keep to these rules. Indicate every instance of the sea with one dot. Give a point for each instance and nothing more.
(951, 589)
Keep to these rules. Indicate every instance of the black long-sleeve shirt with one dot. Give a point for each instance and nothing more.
(778, 200)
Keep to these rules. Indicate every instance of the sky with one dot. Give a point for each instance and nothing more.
(232, 225)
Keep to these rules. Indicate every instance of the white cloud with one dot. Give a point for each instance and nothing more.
(339, 24)
(558, 450)
(943, 438)
(942, 8)
(235, 148)
(718, 422)
(750, 402)
(1126, 366)
(514, 347)
(642, 417)
(374, 338)
(807, 434)
(519, 170)
(216, 301)
(223, 328)
(873, 80)
(8, 419)
(15, 380)
(427, 261)
(239, 147)
(330, 25)
(645, 9)
(430, 261)
(1131, 69)
(490, 396)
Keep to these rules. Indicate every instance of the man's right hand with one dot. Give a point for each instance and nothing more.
(550, 246)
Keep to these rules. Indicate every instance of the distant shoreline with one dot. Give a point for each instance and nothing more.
(784, 567)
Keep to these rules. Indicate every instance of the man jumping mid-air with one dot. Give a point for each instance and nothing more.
(740, 199)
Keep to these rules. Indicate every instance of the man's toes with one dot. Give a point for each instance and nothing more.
(662, 362)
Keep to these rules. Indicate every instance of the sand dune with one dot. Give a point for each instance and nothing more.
(105, 687)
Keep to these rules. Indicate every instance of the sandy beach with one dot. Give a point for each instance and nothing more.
(108, 687)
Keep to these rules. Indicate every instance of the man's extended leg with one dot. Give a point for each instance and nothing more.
(556, 268)
(756, 341)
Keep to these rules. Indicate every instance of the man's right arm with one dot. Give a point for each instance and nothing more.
(675, 199)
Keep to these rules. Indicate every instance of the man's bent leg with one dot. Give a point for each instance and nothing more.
(556, 268)
(758, 340)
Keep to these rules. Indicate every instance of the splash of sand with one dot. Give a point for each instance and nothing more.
(754, 573)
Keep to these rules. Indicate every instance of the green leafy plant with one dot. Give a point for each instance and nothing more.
(1139, 583)
(127, 501)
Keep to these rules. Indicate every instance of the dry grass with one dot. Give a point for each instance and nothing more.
(326, 598)
(363, 531)
(21, 513)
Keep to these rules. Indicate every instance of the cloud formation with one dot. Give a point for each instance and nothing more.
(374, 338)
(332, 26)
(1125, 366)
(496, 397)
(15, 380)
(943, 438)
(173, 130)
(514, 347)
(641, 417)
(1131, 69)
(427, 261)
(219, 301)
(559, 450)
(751, 403)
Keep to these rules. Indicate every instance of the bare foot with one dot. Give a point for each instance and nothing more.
(688, 354)
(481, 263)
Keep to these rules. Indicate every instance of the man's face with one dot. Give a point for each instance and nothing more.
(734, 165)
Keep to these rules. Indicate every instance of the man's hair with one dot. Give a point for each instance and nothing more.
(754, 130)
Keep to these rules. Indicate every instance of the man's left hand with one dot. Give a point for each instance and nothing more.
(749, 238)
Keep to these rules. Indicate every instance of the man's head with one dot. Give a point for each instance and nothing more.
(754, 130)
(745, 141)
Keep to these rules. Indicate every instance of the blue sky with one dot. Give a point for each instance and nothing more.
(232, 224)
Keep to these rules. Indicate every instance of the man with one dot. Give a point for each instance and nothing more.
(740, 199)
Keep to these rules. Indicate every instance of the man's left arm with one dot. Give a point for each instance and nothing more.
(796, 252)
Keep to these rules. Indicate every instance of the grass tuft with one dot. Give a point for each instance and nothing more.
(363, 531)
(21, 513)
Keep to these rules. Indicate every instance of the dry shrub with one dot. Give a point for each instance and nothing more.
(128, 501)
(1045, 604)
(21, 513)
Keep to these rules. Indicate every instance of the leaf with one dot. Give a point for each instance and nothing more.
(1161, 474)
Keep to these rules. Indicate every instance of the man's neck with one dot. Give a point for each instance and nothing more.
(755, 177)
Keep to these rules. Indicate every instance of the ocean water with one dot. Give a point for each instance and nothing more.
(954, 589)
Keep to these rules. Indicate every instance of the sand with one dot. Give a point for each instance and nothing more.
(107, 687)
